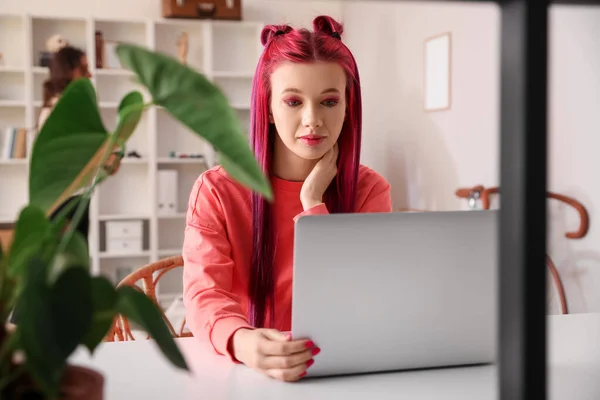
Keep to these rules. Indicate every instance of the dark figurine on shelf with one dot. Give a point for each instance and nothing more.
(134, 154)
(177, 154)
(99, 49)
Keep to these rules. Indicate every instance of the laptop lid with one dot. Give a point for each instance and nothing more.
(396, 291)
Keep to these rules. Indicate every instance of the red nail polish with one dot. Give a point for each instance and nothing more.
(309, 344)
(309, 363)
(316, 351)
(302, 374)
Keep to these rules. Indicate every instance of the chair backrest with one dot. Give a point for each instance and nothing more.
(483, 194)
(149, 275)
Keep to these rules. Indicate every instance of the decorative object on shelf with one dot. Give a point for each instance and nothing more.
(53, 44)
(124, 237)
(182, 47)
(438, 72)
(109, 55)
(179, 154)
(134, 154)
(203, 9)
(16, 143)
(1, 59)
(99, 43)
(167, 192)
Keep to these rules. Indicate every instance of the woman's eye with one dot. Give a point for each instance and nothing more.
(292, 102)
(330, 102)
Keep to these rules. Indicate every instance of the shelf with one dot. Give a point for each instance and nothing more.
(170, 160)
(109, 105)
(7, 68)
(230, 49)
(41, 70)
(113, 72)
(12, 103)
(169, 252)
(173, 216)
(121, 217)
(15, 161)
(8, 219)
(134, 160)
(104, 254)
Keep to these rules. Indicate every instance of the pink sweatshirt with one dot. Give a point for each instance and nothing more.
(217, 250)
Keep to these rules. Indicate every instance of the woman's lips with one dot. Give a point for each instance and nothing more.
(312, 140)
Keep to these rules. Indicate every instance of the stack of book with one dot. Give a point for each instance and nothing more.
(16, 143)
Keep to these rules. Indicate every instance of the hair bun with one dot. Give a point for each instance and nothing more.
(270, 31)
(328, 26)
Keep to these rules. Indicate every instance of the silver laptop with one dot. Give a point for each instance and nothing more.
(381, 292)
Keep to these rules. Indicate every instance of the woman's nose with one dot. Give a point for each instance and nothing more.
(311, 117)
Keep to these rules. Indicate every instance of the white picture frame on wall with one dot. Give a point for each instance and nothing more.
(438, 72)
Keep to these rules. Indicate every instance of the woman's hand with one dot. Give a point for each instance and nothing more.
(318, 180)
(273, 353)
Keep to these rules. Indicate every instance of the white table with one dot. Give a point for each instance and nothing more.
(138, 370)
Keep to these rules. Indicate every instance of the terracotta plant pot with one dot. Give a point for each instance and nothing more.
(78, 383)
(81, 383)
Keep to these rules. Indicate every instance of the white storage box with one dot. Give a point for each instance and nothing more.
(167, 192)
(124, 237)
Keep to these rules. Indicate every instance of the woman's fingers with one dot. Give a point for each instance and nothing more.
(287, 361)
(289, 374)
(282, 348)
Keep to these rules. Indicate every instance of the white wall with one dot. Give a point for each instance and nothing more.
(427, 156)
(268, 11)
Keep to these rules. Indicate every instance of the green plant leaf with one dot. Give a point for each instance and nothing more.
(44, 360)
(201, 106)
(141, 310)
(70, 137)
(131, 109)
(29, 233)
(104, 301)
(71, 302)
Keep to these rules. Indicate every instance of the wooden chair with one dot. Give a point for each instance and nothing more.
(121, 330)
(483, 194)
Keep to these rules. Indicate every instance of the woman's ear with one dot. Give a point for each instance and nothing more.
(271, 120)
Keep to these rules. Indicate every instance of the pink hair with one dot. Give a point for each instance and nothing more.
(283, 43)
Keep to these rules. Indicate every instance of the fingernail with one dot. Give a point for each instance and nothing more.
(309, 363)
(316, 351)
(302, 374)
(309, 344)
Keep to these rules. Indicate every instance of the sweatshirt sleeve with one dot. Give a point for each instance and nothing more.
(213, 312)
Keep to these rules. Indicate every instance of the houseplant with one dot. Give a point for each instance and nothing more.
(44, 275)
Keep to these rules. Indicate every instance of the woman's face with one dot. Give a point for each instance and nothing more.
(83, 70)
(308, 106)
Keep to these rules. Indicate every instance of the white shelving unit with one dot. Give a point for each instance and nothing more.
(226, 52)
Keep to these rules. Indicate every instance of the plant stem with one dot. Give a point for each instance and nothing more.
(98, 176)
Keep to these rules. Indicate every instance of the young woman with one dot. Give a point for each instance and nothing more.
(238, 249)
